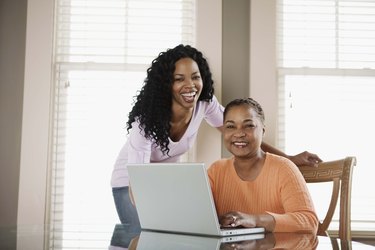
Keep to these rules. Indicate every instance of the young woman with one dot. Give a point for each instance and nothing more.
(254, 188)
(178, 93)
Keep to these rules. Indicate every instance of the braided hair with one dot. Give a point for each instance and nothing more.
(153, 104)
(246, 101)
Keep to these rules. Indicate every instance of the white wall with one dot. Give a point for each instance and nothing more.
(236, 46)
(209, 41)
(263, 82)
(36, 112)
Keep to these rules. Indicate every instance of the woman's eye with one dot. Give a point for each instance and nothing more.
(250, 126)
(196, 77)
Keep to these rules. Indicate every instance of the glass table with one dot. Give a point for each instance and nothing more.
(121, 237)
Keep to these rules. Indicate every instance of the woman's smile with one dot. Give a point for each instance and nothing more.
(189, 97)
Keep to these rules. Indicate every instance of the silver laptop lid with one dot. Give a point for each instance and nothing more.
(174, 197)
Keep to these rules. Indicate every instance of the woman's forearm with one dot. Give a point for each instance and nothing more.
(268, 148)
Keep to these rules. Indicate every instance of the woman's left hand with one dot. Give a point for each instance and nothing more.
(238, 219)
(305, 159)
(235, 219)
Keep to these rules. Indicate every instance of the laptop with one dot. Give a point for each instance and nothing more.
(177, 198)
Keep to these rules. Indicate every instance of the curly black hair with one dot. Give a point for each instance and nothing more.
(153, 104)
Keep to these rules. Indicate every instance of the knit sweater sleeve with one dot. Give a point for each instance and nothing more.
(299, 213)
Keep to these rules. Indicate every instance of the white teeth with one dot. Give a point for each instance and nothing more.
(189, 94)
(240, 143)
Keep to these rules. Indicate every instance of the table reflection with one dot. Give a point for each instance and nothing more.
(126, 238)
(120, 237)
(152, 240)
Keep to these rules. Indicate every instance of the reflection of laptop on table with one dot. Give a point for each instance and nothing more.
(161, 241)
(177, 198)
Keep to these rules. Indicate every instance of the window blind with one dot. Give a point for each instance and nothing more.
(326, 72)
(326, 34)
(102, 51)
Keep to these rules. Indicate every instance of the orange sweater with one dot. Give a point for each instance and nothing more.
(279, 190)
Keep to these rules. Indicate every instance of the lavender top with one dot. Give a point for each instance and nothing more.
(138, 149)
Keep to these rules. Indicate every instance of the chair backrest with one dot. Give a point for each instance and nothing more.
(340, 173)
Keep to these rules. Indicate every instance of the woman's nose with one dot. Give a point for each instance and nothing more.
(189, 87)
(191, 84)
(239, 133)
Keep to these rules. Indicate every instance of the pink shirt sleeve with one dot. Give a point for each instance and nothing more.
(214, 113)
(138, 149)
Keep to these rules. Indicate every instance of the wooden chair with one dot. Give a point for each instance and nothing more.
(340, 173)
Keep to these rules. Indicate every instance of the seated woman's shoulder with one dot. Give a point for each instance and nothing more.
(280, 161)
(222, 163)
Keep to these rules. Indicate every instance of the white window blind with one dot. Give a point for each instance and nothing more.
(326, 70)
(102, 51)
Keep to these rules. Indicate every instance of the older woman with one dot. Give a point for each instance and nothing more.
(254, 188)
